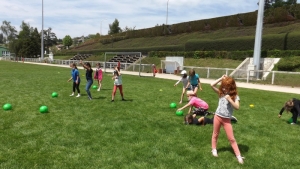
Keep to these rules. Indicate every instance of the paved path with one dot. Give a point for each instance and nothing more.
(284, 89)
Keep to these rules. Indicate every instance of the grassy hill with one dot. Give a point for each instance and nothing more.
(181, 39)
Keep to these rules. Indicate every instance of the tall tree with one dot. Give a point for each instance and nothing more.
(2, 40)
(114, 27)
(50, 39)
(8, 30)
(67, 41)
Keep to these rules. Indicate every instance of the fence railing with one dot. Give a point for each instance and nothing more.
(249, 76)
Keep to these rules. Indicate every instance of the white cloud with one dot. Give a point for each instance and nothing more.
(81, 17)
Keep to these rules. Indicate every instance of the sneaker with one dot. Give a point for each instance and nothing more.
(78, 95)
(90, 98)
(123, 99)
(180, 102)
(72, 94)
(98, 90)
(293, 123)
(240, 159)
(112, 100)
(214, 153)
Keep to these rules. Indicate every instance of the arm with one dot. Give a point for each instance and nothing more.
(201, 121)
(83, 65)
(118, 72)
(178, 82)
(70, 79)
(199, 83)
(188, 84)
(281, 111)
(213, 84)
(190, 109)
(185, 106)
(235, 104)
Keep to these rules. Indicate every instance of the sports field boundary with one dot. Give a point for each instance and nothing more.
(274, 88)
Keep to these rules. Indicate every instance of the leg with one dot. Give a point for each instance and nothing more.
(216, 130)
(77, 88)
(87, 88)
(182, 95)
(121, 91)
(295, 116)
(196, 90)
(74, 85)
(229, 132)
(113, 93)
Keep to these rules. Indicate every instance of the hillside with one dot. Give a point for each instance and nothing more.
(181, 39)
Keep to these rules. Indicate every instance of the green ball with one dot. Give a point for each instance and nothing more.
(44, 109)
(7, 106)
(179, 113)
(290, 120)
(94, 87)
(173, 105)
(54, 94)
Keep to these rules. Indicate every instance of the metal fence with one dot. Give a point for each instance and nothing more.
(274, 77)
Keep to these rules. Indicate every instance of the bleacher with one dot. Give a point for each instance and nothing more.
(81, 56)
(125, 58)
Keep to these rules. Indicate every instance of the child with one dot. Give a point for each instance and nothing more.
(228, 100)
(191, 119)
(89, 78)
(200, 105)
(76, 79)
(98, 75)
(194, 81)
(154, 71)
(184, 81)
(293, 106)
(117, 83)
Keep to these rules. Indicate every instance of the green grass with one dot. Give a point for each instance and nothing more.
(142, 132)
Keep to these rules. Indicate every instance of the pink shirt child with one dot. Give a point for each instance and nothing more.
(198, 103)
(98, 74)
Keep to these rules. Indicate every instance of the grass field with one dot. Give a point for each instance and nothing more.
(142, 132)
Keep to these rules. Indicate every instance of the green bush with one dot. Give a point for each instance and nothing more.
(289, 64)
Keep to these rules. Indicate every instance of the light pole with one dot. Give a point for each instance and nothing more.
(258, 37)
(167, 12)
(42, 36)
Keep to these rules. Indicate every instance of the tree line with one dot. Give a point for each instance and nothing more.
(26, 42)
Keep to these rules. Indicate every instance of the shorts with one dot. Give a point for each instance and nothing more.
(200, 112)
(195, 86)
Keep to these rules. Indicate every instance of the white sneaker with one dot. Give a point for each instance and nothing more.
(214, 153)
(98, 90)
(240, 159)
(292, 123)
(78, 95)
(72, 94)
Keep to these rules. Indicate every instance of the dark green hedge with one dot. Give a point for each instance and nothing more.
(235, 55)
(269, 42)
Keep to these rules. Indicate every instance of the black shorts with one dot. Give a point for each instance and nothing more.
(200, 112)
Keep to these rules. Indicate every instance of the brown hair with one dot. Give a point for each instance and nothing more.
(192, 72)
(74, 65)
(228, 86)
(188, 119)
(289, 105)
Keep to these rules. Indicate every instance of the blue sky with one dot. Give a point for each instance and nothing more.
(84, 17)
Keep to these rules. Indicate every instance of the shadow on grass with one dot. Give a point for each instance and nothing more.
(99, 97)
(243, 149)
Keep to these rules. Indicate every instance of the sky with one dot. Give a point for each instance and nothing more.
(83, 17)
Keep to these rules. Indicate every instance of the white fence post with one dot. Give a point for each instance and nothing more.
(207, 73)
(273, 76)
